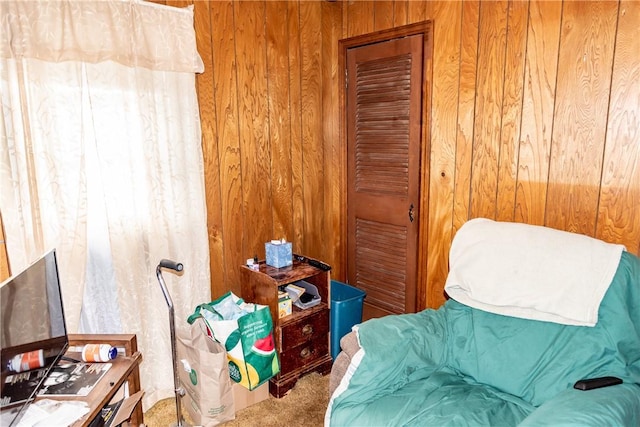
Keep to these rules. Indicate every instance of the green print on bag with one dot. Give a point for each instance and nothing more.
(246, 332)
(193, 376)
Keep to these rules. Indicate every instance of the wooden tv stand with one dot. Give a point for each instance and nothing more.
(123, 369)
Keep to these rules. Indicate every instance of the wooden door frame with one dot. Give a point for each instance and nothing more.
(426, 29)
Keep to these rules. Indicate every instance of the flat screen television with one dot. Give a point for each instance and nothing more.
(33, 334)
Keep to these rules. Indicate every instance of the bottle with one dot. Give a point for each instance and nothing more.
(98, 353)
(26, 361)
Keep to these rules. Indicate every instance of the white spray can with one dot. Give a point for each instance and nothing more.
(26, 361)
(98, 353)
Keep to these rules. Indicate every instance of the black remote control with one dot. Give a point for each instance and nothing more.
(592, 383)
(319, 264)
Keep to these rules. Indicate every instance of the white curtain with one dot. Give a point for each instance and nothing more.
(101, 158)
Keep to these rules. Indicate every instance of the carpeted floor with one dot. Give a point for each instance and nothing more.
(304, 405)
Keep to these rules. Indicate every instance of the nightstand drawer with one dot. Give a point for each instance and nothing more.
(307, 329)
(302, 355)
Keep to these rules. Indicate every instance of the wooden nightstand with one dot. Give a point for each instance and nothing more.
(302, 338)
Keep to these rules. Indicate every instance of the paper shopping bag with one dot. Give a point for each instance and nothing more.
(204, 375)
(246, 331)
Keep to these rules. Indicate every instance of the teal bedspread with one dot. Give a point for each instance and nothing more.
(458, 366)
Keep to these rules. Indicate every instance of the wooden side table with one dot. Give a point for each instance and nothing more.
(301, 338)
(124, 368)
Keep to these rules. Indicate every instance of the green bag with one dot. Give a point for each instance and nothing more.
(246, 332)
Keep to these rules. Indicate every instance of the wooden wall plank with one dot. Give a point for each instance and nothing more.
(311, 111)
(252, 115)
(227, 127)
(360, 17)
(295, 97)
(202, 24)
(466, 113)
(417, 11)
(334, 179)
(400, 17)
(619, 206)
(446, 80)
(489, 91)
(278, 85)
(537, 110)
(177, 3)
(511, 110)
(383, 14)
(579, 125)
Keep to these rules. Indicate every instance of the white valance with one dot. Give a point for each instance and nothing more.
(130, 32)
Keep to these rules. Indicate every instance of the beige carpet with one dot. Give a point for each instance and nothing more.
(304, 405)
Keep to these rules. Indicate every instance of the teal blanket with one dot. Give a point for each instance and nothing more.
(462, 366)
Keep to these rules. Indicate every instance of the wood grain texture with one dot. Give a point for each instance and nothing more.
(586, 53)
(465, 118)
(442, 156)
(332, 145)
(208, 121)
(311, 111)
(576, 149)
(383, 15)
(178, 3)
(489, 104)
(278, 85)
(297, 147)
(400, 13)
(537, 111)
(417, 11)
(511, 110)
(619, 205)
(227, 127)
(255, 153)
(360, 17)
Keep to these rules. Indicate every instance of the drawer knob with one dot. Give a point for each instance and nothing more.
(305, 353)
(307, 330)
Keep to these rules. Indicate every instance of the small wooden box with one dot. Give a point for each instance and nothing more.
(284, 306)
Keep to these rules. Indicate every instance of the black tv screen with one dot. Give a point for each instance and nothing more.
(33, 333)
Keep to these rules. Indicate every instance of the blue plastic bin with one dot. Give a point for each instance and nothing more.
(346, 311)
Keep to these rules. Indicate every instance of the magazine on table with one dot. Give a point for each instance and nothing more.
(73, 378)
(17, 387)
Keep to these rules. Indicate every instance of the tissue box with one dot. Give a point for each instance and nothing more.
(279, 254)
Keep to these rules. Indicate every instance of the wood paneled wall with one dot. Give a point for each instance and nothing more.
(535, 118)
(269, 109)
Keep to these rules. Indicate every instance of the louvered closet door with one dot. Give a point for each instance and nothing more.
(384, 98)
